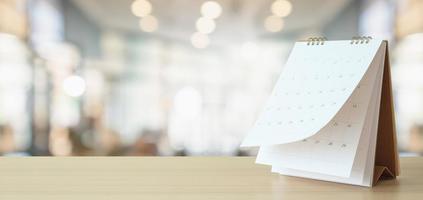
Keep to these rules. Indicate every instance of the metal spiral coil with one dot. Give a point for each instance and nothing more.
(316, 40)
(361, 40)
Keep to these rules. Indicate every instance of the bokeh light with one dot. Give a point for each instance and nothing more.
(205, 25)
(199, 40)
(273, 24)
(141, 8)
(211, 9)
(149, 23)
(281, 8)
(74, 86)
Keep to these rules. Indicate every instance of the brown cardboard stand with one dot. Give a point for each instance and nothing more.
(386, 160)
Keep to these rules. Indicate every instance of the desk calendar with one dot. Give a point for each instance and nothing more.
(330, 115)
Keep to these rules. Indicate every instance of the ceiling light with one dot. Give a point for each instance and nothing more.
(199, 40)
(273, 24)
(211, 9)
(205, 25)
(149, 23)
(141, 8)
(281, 8)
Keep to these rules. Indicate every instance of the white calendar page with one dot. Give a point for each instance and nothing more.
(362, 170)
(315, 83)
(334, 144)
(332, 150)
(362, 167)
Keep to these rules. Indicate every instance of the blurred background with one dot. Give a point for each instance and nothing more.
(176, 77)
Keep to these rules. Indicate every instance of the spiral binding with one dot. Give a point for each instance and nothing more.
(322, 40)
(316, 40)
(361, 40)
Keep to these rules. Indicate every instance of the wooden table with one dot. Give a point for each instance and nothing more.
(185, 178)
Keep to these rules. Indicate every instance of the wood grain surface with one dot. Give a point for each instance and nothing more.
(150, 178)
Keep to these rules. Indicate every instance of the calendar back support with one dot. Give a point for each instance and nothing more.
(386, 160)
